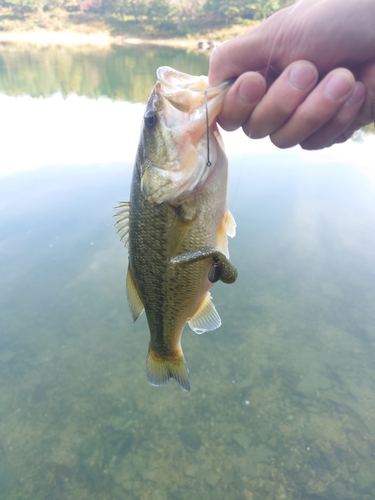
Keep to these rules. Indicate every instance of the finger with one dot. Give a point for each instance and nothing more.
(282, 99)
(367, 113)
(319, 107)
(367, 77)
(241, 99)
(251, 50)
(348, 132)
(332, 130)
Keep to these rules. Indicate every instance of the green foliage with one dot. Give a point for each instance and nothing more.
(179, 16)
(361, 134)
(266, 8)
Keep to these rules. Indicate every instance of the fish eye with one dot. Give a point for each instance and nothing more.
(150, 119)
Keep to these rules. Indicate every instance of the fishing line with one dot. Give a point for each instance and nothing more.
(208, 162)
(265, 75)
(247, 148)
(268, 65)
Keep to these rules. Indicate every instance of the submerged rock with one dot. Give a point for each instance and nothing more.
(241, 439)
(341, 491)
(318, 490)
(191, 470)
(190, 439)
(62, 473)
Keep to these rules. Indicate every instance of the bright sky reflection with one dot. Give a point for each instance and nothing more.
(80, 131)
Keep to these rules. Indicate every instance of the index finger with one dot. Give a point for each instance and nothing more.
(248, 52)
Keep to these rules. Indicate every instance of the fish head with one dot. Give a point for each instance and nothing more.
(173, 150)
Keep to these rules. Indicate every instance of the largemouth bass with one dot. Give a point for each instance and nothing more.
(177, 221)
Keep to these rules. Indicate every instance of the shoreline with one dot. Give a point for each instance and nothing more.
(99, 39)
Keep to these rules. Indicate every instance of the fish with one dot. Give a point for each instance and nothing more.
(177, 223)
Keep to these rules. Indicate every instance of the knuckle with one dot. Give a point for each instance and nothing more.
(367, 113)
(312, 120)
(342, 121)
(283, 108)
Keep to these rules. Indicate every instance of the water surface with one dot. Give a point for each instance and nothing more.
(283, 401)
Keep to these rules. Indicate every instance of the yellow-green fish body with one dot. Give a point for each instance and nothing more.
(177, 222)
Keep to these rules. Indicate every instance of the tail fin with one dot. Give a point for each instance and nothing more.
(160, 370)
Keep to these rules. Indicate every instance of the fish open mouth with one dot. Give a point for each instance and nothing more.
(190, 96)
(177, 161)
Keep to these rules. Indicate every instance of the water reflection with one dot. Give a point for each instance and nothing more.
(283, 402)
(115, 72)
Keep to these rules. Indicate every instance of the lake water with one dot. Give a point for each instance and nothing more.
(282, 405)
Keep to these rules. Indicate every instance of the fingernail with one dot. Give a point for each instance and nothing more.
(338, 86)
(359, 93)
(250, 91)
(302, 76)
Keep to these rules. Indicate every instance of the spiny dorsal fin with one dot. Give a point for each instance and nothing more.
(122, 221)
(206, 318)
(135, 301)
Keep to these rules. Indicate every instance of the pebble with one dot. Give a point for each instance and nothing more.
(241, 439)
(191, 470)
(247, 495)
(212, 479)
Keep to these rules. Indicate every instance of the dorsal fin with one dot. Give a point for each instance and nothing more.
(122, 221)
(206, 318)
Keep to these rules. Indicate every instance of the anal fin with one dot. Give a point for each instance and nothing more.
(135, 301)
(206, 318)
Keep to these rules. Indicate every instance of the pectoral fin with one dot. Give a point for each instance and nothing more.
(181, 223)
(135, 302)
(230, 224)
(122, 222)
(177, 235)
(227, 227)
(206, 318)
(224, 270)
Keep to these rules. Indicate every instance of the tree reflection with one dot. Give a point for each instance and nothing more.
(116, 72)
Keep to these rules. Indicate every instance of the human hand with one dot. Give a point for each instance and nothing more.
(307, 74)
